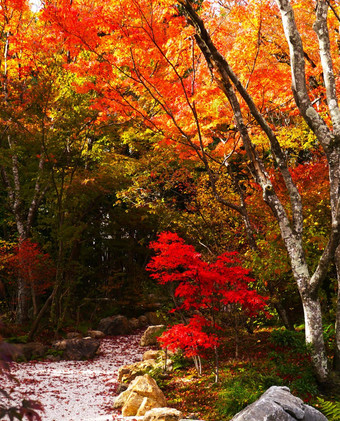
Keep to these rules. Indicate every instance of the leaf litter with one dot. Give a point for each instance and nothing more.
(76, 390)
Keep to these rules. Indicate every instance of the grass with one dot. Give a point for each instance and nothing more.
(266, 358)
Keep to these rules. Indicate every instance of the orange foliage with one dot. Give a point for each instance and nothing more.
(141, 59)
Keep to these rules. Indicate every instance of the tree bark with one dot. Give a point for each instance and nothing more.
(281, 311)
(314, 336)
(330, 140)
(23, 301)
(40, 315)
(336, 363)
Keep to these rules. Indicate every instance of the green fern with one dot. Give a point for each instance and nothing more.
(330, 409)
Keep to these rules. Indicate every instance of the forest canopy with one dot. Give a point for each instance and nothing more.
(215, 120)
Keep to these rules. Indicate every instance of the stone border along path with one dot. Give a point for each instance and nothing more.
(77, 390)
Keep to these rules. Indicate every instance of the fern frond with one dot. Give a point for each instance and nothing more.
(330, 409)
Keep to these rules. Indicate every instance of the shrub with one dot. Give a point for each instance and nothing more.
(289, 338)
(243, 390)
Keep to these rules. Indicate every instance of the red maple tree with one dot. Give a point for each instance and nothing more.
(30, 263)
(204, 290)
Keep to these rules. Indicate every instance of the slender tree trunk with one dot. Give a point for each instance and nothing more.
(237, 335)
(64, 304)
(55, 308)
(36, 323)
(217, 365)
(34, 302)
(165, 367)
(24, 292)
(33, 294)
(281, 311)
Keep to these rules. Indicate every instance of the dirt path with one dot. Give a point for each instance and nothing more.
(77, 390)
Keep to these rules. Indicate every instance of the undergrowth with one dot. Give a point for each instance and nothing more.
(330, 409)
(266, 358)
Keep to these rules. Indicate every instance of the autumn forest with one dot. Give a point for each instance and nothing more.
(177, 151)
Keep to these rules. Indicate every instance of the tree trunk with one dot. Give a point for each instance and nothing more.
(281, 311)
(55, 313)
(34, 302)
(336, 363)
(23, 298)
(217, 365)
(23, 222)
(291, 228)
(237, 340)
(314, 337)
(24, 293)
(40, 315)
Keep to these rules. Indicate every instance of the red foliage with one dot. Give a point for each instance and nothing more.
(190, 337)
(202, 287)
(36, 267)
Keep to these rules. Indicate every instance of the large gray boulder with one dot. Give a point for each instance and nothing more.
(78, 349)
(115, 325)
(278, 404)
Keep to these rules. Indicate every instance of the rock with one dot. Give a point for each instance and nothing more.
(192, 416)
(96, 334)
(121, 399)
(134, 324)
(163, 414)
(142, 395)
(17, 352)
(154, 318)
(152, 354)
(115, 325)
(8, 352)
(278, 404)
(78, 349)
(127, 373)
(143, 321)
(33, 350)
(73, 335)
(121, 388)
(151, 334)
(53, 358)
